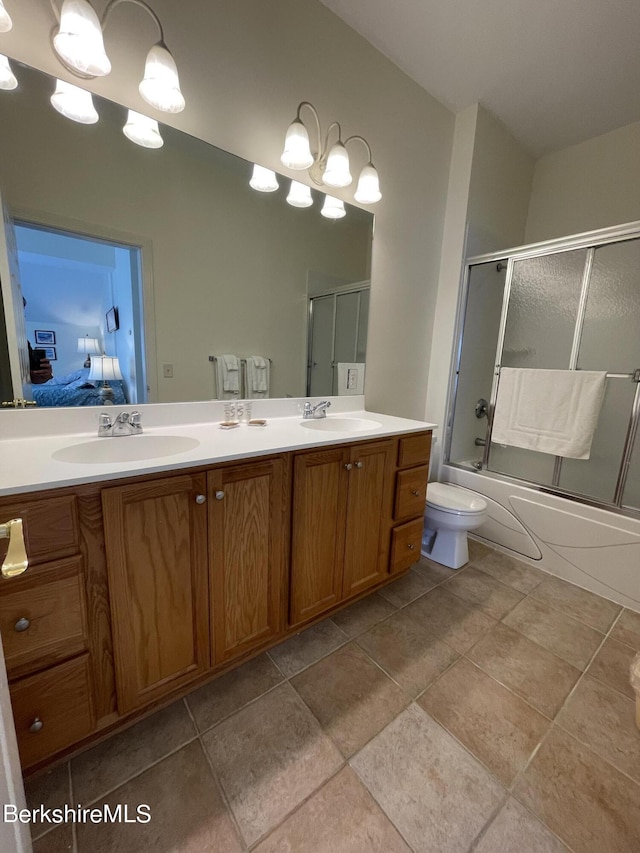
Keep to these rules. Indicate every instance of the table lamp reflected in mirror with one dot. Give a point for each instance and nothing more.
(105, 368)
(88, 346)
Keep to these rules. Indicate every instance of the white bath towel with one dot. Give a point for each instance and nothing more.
(227, 377)
(258, 377)
(552, 411)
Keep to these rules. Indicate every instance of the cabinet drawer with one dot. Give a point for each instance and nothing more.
(414, 450)
(405, 545)
(50, 527)
(52, 710)
(42, 616)
(411, 491)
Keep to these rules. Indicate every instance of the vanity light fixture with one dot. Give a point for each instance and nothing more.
(74, 103)
(88, 346)
(7, 77)
(333, 208)
(299, 195)
(142, 130)
(103, 368)
(5, 19)
(263, 180)
(79, 44)
(329, 166)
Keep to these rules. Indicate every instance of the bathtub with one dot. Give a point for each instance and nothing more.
(591, 547)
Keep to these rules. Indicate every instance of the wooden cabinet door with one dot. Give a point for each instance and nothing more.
(369, 514)
(156, 547)
(320, 481)
(247, 540)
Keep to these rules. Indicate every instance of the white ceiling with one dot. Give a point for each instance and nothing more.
(556, 72)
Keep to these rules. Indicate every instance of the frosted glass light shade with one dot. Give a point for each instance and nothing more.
(297, 153)
(336, 173)
(104, 368)
(74, 103)
(88, 345)
(7, 77)
(333, 208)
(5, 19)
(79, 41)
(263, 180)
(368, 189)
(142, 130)
(160, 85)
(299, 195)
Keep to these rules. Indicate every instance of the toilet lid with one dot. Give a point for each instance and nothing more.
(454, 499)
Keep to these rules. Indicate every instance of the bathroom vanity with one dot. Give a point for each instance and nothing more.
(148, 577)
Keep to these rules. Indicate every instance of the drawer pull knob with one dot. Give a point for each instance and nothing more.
(22, 624)
(411, 547)
(220, 495)
(359, 464)
(348, 466)
(415, 493)
(36, 726)
(200, 499)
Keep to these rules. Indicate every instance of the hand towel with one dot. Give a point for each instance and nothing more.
(551, 411)
(227, 377)
(258, 377)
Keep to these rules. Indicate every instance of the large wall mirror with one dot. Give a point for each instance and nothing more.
(194, 261)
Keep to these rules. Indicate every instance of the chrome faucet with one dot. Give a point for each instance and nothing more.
(317, 411)
(125, 424)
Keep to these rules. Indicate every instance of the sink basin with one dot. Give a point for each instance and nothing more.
(127, 448)
(334, 424)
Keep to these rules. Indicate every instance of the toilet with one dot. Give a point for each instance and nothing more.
(449, 513)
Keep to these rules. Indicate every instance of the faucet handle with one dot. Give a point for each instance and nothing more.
(135, 421)
(104, 424)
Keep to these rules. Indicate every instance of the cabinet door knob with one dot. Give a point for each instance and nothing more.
(220, 495)
(21, 625)
(359, 464)
(201, 499)
(415, 493)
(410, 546)
(348, 466)
(36, 726)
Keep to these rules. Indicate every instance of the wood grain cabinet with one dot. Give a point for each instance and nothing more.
(156, 546)
(342, 502)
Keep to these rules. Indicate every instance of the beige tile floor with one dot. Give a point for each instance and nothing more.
(482, 710)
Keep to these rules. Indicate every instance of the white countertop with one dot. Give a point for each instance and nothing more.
(29, 439)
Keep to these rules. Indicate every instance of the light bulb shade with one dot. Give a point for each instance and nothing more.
(336, 173)
(88, 345)
(297, 153)
(160, 86)
(7, 77)
(142, 130)
(263, 180)
(333, 208)
(299, 195)
(79, 41)
(105, 368)
(74, 103)
(5, 19)
(368, 189)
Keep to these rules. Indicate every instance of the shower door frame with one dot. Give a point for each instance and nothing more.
(589, 240)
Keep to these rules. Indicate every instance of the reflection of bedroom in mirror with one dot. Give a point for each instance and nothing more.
(70, 282)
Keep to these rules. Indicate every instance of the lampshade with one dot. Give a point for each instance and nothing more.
(104, 368)
(160, 86)
(142, 130)
(7, 77)
(74, 103)
(368, 190)
(5, 20)
(263, 180)
(299, 195)
(333, 208)
(88, 345)
(297, 153)
(79, 41)
(336, 173)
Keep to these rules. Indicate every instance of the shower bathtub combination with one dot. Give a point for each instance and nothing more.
(568, 304)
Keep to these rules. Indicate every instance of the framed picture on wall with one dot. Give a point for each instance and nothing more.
(50, 353)
(45, 338)
(112, 320)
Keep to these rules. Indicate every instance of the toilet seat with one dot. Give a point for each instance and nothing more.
(453, 500)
